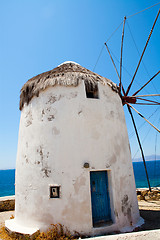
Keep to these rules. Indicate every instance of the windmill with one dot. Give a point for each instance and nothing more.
(129, 100)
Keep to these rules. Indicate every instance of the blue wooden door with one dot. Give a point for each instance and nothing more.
(101, 212)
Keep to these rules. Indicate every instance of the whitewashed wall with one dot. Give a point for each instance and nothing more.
(59, 131)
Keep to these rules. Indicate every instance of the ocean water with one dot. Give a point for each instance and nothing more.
(7, 181)
(153, 169)
(7, 177)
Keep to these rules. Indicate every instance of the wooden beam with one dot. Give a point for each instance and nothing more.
(146, 83)
(139, 142)
(120, 81)
(112, 60)
(147, 95)
(143, 117)
(147, 100)
(128, 89)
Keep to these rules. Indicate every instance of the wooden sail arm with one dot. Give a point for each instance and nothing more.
(147, 100)
(147, 104)
(112, 60)
(147, 95)
(120, 81)
(128, 89)
(146, 83)
(142, 117)
(140, 145)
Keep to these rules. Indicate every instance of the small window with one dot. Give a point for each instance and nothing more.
(91, 90)
(54, 191)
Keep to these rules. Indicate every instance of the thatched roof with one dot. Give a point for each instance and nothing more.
(66, 74)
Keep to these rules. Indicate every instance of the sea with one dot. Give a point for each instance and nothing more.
(7, 177)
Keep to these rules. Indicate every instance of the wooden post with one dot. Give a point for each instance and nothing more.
(140, 147)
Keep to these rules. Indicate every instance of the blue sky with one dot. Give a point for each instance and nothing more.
(38, 35)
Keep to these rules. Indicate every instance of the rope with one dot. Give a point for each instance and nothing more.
(155, 155)
(98, 58)
(106, 42)
(139, 55)
(142, 125)
(114, 32)
(143, 10)
(128, 72)
(143, 139)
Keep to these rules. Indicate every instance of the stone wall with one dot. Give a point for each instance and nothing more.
(7, 203)
(144, 194)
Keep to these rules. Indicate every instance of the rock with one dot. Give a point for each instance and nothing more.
(139, 197)
(147, 198)
(144, 193)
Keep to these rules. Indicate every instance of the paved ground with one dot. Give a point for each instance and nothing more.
(144, 235)
(149, 210)
(4, 216)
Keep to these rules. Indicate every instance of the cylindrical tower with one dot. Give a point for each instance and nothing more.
(73, 162)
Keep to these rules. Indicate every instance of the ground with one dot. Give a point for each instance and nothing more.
(149, 211)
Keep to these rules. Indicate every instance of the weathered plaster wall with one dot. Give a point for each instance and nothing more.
(59, 131)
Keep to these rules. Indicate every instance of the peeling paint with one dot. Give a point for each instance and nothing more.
(108, 165)
(26, 159)
(43, 112)
(28, 123)
(79, 112)
(51, 117)
(46, 171)
(44, 166)
(28, 119)
(126, 208)
(52, 99)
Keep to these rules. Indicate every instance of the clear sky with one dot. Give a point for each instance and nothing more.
(38, 35)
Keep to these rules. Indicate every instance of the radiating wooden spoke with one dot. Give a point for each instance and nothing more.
(112, 60)
(140, 145)
(143, 117)
(147, 100)
(146, 83)
(148, 95)
(120, 81)
(128, 89)
(147, 104)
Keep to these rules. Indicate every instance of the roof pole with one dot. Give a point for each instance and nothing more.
(140, 147)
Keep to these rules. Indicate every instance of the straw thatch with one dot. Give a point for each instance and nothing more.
(67, 74)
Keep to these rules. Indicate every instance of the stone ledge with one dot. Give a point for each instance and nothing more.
(16, 230)
(7, 203)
